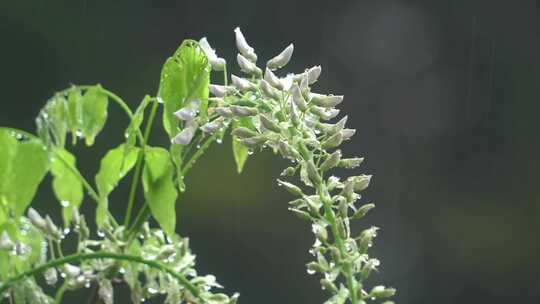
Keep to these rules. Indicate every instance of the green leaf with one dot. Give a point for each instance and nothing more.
(114, 166)
(159, 189)
(23, 164)
(94, 113)
(67, 186)
(240, 152)
(184, 75)
(82, 114)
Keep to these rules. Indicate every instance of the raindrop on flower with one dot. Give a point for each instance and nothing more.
(219, 140)
(100, 234)
(64, 204)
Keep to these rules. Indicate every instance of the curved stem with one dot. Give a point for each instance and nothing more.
(138, 166)
(60, 293)
(101, 255)
(114, 98)
(331, 218)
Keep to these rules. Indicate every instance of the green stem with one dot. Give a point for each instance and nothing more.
(60, 293)
(114, 98)
(100, 255)
(138, 166)
(331, 218)
(200, 151)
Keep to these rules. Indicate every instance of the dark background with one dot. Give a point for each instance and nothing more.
(444, 95)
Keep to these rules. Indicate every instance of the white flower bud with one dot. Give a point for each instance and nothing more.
(362, 211)
(242, 111)
(282, 59)
(75, 216)
(36, 219)
(71, 270)
(382, 292)
(106, 291)
(350, 163)
(253, 142)
(268, 90)
(333, 141)
(347, 133)
(51, 276)
(313, 74)
(304, 86)
(312, 172)
(243, 132)
(186, 135)
(247, 66)
(292, 189)
(241, 84)
(325, 114)
(331, 161)
(360, 182)
(5, 242)
(218, 64)
(298, 99)
(269, 124)
(213, 126)
(293, 113)
(287, 82)
(224, 111)
(272, 79)
(219, 90)
(51, 228)
(188, 112)
(243, 46)
(327, 101)
(287, 151)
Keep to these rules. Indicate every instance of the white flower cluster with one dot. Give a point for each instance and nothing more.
(283, 113)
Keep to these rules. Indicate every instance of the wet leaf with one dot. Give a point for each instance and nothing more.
(114, 166)
(23, 164)
(67, 186)
(159, 188)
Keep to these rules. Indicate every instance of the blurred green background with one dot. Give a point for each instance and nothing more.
(444, 95)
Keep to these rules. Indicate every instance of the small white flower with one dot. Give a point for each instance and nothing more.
(241, 84)
(35, 218)
(71, 270)
(218, 64)
(247, 66)
(272, 79)
(314, 73)
(282, 59)
(298, 99)
(5, 242)
(186, 135)
(268, 90)
(213, 126)
(219, 90)
(188, 112)
(347, 133)
(287, 82)
(243, 46)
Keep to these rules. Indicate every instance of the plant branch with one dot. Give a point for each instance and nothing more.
(100, 255)
(138, 166)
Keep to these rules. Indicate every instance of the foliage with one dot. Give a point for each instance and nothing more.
(265, 112)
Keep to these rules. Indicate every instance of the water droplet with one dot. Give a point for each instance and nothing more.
(310, 271)
(198, 146)
(152, 290)
(65, 204)
(100, 234)
(66, 231)
(63, 274)
(250, 152)
(219, 140)
(87, 284)
(122, 270)
(79, 133)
